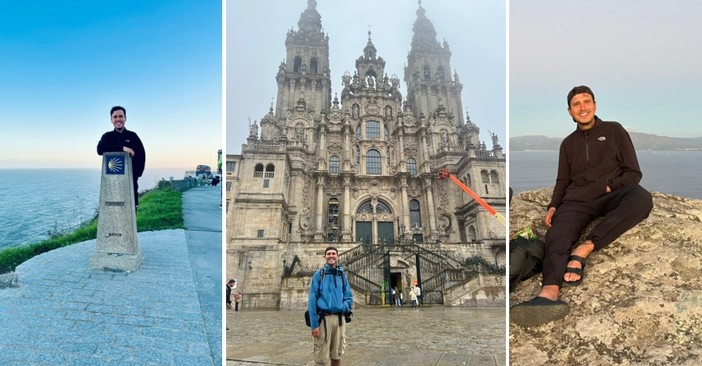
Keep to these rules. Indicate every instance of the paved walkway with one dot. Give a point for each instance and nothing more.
(433, 335)
(166, 313)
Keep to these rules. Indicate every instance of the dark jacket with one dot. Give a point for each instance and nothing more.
(113, 141)
(591, 160)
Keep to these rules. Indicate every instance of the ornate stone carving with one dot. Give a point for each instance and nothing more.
(372, 106)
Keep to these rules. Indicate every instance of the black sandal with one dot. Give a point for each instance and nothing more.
(578, 271)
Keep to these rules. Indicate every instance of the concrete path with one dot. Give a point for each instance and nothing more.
(434, 335)
(166, 313)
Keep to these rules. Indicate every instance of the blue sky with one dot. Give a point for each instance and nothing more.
(641, 58)
(256, 31)
(64, 64)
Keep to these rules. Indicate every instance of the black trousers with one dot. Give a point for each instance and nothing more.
(622, 210)
(136, 193)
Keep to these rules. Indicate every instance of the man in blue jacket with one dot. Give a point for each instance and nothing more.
(329, 301)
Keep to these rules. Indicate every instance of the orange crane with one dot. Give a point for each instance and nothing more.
(444, 173)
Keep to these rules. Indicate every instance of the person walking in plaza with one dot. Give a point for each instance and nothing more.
(396, 296)
(122, 140)
(598, 175)
(229, 286)
(413, 298)
(330, 301)
(237, 300)
(418, 292)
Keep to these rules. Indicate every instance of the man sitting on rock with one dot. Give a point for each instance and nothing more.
(598, 175)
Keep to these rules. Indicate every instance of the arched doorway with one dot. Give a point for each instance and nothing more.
(374, 223)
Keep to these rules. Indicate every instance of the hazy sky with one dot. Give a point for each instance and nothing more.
(641, 58)
(64, 64)
(256, 31)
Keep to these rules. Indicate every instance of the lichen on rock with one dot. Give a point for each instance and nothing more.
(640, 302)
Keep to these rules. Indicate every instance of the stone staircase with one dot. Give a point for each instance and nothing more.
(444, 273)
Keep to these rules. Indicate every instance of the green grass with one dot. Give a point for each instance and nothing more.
(158, 210)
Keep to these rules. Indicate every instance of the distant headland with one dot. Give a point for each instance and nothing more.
(642, 141)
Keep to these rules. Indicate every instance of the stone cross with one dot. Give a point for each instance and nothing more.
(117, 247)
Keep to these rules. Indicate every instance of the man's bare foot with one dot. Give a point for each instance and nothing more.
(549, 292)
(583, 250)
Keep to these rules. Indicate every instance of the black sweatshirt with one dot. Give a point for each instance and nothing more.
(590, 160)
(113, 141)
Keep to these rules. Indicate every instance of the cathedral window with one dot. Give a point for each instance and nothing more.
(358, 155)
(266, 183)
(415, 214)
(297, 65)
(270, 171)
(372, 130)
(314, 65)
(381, 207)
(229, 186)
(334, 165)
(485, 176)
(333, 220)
(411, 167)
(231, 167)
(427, 72)
(494, 177)
(472, 234)
(365, 207)
(469, 181)
(259, 233)
(373, 162)
(258, 171)
(440, 73)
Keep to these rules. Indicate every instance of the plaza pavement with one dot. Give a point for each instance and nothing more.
(166, 313)
(430, 335)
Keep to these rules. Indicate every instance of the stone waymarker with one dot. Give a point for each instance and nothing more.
(117, 247)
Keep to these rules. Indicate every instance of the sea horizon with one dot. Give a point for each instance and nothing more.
(39, 202)
(666, 172)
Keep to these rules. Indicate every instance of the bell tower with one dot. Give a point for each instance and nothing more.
(430, 87)
(304, 75)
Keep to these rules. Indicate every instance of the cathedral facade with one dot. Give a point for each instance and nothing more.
(359, 171)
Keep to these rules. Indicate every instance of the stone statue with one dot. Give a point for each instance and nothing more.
(494, 139)
(253, 129)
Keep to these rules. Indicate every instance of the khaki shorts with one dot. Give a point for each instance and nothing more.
(332, 345)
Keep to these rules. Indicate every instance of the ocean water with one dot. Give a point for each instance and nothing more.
(671, 172)
(37, 202)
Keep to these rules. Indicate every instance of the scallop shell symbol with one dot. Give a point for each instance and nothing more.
(115, 165)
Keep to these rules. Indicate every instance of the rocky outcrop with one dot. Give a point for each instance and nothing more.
(640, 302)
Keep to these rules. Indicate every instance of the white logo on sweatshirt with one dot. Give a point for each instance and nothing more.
(601, 138)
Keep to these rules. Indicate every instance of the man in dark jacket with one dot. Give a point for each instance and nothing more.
(329, 301)
(122, 140)
(598, 175)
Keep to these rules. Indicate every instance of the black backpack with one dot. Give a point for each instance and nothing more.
(525, 259)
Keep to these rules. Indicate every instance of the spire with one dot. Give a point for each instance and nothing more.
(424, 37)
(310, 23)
(369, 52)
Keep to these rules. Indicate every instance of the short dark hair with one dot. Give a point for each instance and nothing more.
(331, 248)
(231, 281)
(117, 108)
(573, 92)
